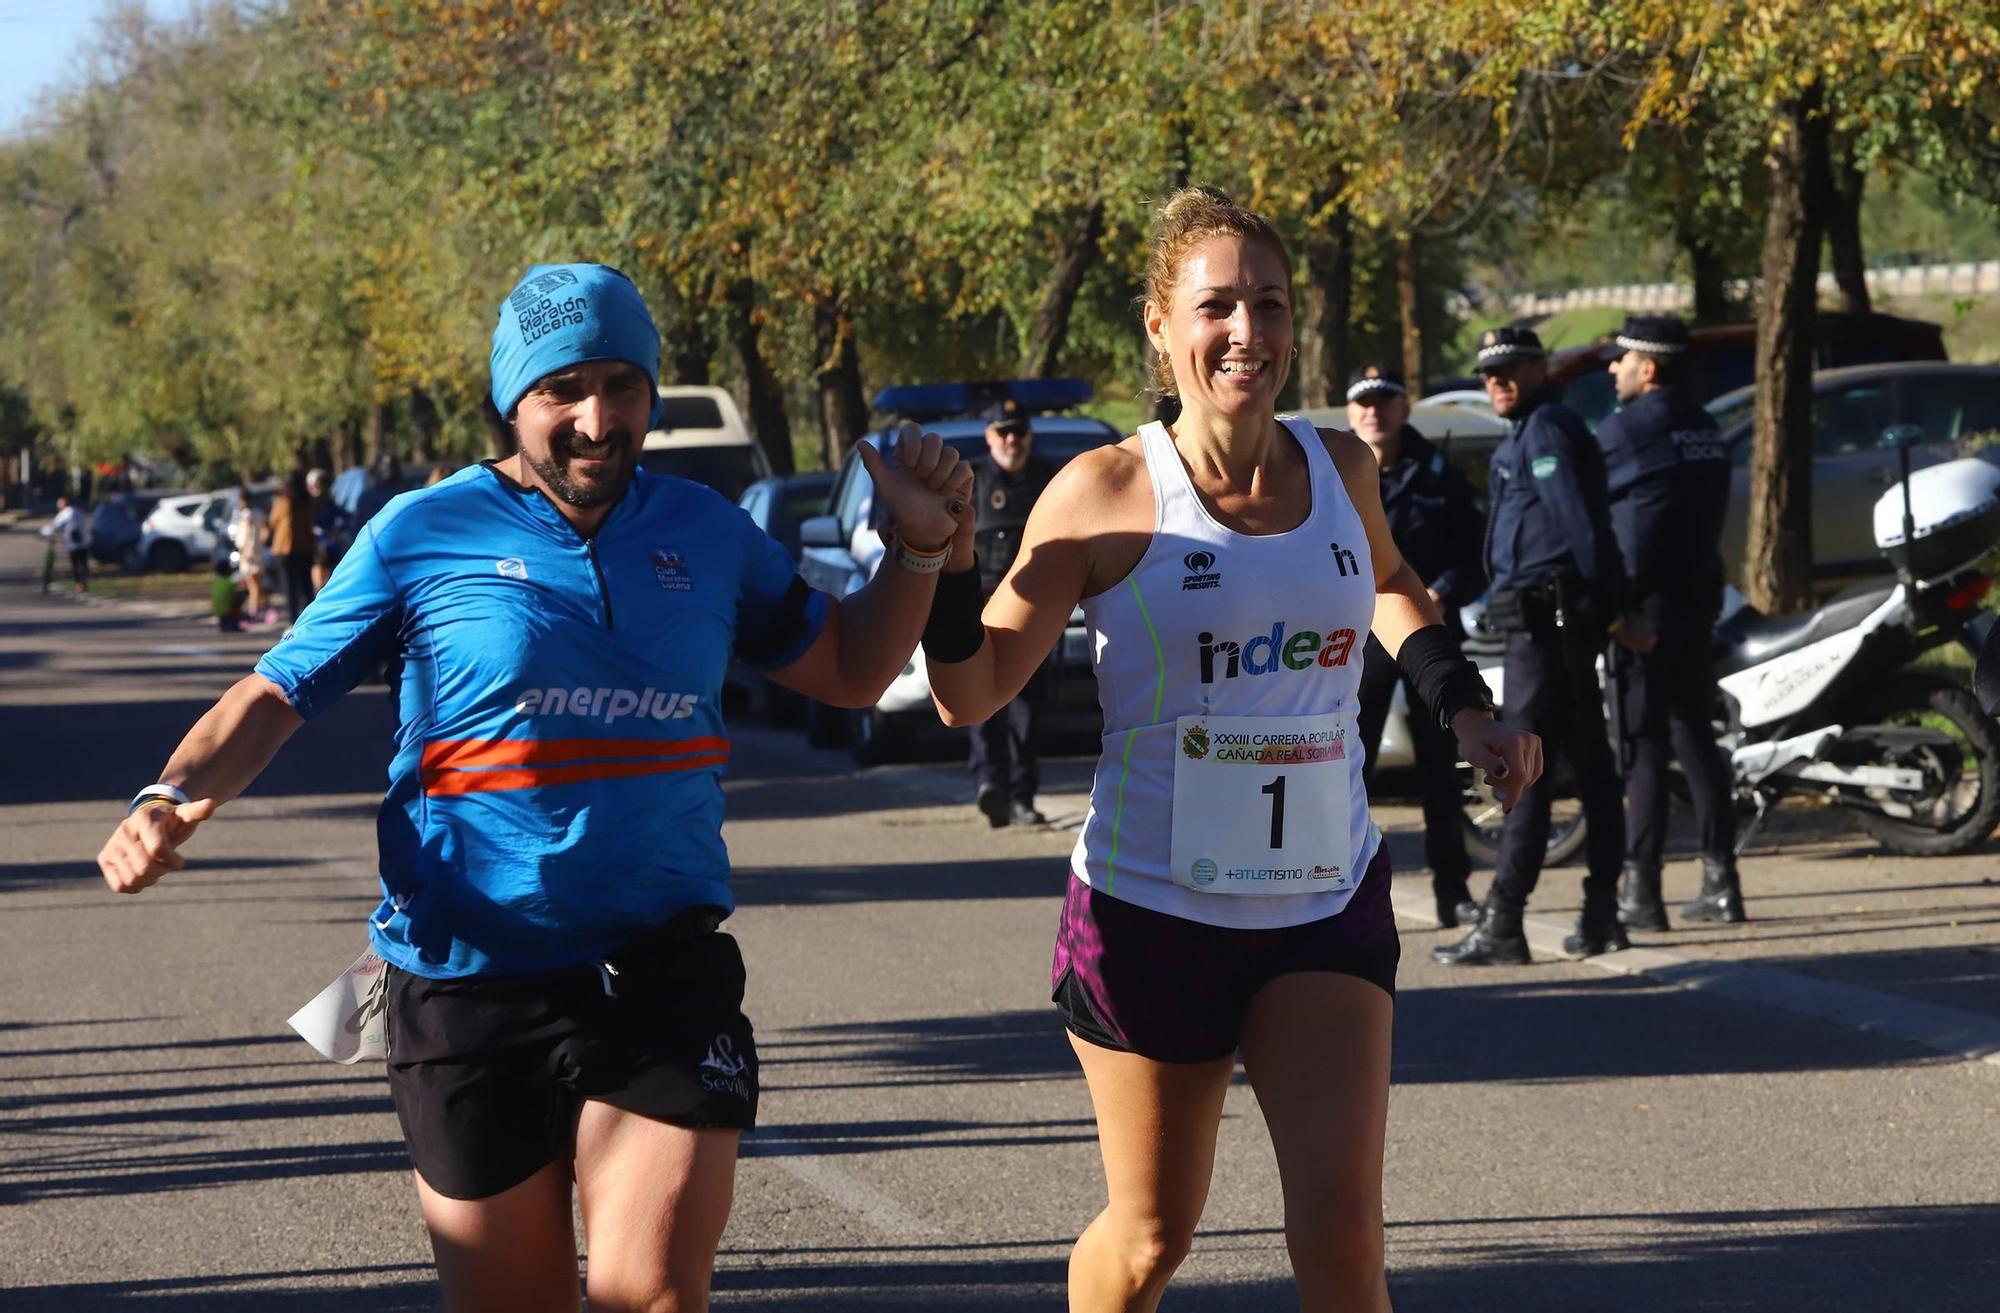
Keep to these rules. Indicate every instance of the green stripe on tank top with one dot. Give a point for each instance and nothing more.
(1125, 762)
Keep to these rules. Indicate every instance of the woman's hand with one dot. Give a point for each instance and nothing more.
(1508, 759)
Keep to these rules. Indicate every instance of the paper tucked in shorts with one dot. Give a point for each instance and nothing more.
(344, 1021)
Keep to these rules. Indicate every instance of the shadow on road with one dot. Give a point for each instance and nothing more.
(1939, 1259)
(1578, 1030)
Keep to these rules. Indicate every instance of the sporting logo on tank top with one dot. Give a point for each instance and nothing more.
(1268, 654)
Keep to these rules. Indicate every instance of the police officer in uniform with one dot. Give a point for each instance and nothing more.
(1434, 516)
(1667, 473)
(1558, 590)
(1006, 748)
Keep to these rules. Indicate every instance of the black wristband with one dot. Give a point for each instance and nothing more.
(955, 631)
(1445, 681)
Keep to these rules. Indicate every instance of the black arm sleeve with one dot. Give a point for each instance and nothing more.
(1445, 681)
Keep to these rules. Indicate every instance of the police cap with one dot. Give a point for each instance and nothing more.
(1663, 336)
(1007, 416)
(1374, 383)
(1507, 345)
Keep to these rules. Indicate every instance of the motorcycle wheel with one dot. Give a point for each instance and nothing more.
(1481, 818)
(1960, 801)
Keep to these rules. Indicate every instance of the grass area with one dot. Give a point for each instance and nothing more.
(1125, 414)
(1971, 324)
(1579, 327)
(191, 586)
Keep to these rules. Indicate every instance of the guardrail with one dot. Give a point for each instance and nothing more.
(1966, 278)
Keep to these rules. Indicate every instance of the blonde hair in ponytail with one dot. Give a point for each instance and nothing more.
(1190, 217)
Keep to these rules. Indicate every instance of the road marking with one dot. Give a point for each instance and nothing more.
(1954, 1031)
(844, 1188)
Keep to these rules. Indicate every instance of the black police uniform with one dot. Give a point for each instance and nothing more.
(1434, 516)
(1557, 585)
(1667, 473)
(1006, 747)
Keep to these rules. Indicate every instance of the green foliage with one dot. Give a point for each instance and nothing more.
(254, 232)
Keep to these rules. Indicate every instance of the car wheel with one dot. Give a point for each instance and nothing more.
(167, 557)
(873, 738)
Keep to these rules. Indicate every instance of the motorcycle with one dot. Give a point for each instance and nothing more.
(1825, 705)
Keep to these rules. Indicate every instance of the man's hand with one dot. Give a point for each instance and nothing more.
(1509, 759)
(926, 493)
(143, 847)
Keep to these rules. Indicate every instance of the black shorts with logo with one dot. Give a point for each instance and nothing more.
(488, 1073)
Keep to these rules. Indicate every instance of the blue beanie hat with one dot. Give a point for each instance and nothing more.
(560, 315)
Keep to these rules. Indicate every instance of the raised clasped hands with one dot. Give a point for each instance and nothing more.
(925, 491)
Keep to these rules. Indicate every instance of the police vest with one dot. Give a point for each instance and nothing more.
(1004, 502)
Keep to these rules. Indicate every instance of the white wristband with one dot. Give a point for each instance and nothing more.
(919, 562)
(164, 791)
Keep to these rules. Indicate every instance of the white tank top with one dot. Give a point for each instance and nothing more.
(1210, 623)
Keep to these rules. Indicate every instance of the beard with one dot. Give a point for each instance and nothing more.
(586, 491)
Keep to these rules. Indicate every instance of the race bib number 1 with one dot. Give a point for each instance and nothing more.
(1262, 803)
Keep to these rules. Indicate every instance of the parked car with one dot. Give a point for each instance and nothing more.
(1850, 466)
(179, 532)
(841, 551)
(781, 503)
(117, 523)
(1467, 432)
(778, 505)
(702, 437)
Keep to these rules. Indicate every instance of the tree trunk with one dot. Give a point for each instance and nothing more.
(347, 443)
(843, 410)
(690, 346)
(766, 395)
(1158, 405)
(1328, 303)
(1051, 326)
(500, 439)
(381, 425)
(1711, 292)
(1843, 225)
(1778, 557)
(1406, 305)
(424, 419)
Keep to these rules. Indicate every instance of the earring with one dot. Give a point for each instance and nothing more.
(1295, 353)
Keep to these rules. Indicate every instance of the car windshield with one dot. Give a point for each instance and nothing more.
(728, 470)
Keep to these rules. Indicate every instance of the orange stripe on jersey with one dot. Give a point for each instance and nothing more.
(473, 754)
(448, 782)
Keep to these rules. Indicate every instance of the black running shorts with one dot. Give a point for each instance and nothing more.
(488, 1074)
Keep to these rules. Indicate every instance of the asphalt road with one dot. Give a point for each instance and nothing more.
(1799, 1113)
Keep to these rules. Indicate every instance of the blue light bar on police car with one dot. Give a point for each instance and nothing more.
(921, 401)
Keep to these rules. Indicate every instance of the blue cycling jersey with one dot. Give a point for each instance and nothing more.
(557, 783)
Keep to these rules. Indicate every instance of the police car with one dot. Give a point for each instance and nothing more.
(841, 550)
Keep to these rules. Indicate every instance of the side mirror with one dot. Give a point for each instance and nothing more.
(1898, 437)
(821, 531)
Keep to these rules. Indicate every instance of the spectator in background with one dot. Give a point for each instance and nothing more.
(329, 529)
(1006, 746)
(71, 528)
(385, 480)
(247, 531)
(292, 540)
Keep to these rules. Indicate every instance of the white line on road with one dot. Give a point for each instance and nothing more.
(1962, 1034)
(846, 1189)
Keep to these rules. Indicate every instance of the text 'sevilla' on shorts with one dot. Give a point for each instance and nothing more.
(487, 1074)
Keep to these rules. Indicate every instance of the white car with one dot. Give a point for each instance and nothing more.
(702, 438)
(181, 530)
(841, 551)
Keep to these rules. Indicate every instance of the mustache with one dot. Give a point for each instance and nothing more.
(569, 444)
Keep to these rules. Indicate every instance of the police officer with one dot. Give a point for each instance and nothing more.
(1006, 747)
(1667, 473)
(1434, 516)
(1558, 588)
